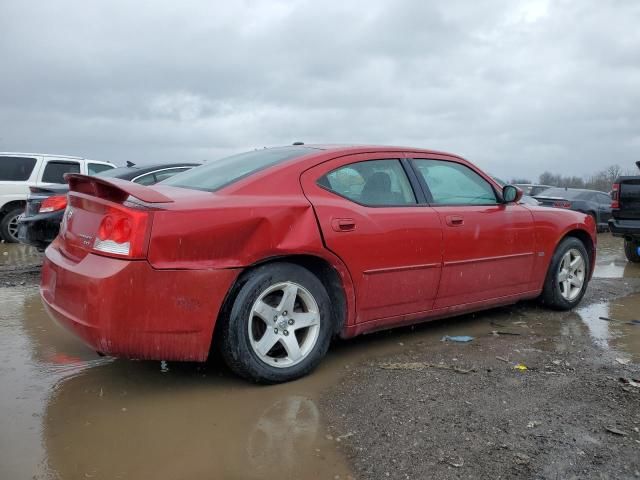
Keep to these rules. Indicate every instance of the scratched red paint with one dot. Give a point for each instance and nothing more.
(399, 265)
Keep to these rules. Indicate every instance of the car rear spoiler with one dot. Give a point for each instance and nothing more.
(113, 189)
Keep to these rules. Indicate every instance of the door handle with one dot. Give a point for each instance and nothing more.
(343, 224)
(454, 220)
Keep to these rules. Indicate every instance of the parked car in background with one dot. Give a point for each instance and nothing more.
(273, 252)
(20, 171)
(593, 203)
(625, 221)
(525, 200)
(45, 206)
(532, 189)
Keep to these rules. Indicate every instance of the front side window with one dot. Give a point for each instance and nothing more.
(451, 183)
(373, 183)
(16, 169)
(55, 170)
(94, 168)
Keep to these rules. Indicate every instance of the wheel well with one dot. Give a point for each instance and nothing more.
(585, 238)
(322, 269)
(7, 207)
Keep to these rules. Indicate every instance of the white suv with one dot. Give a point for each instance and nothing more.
(20, 171)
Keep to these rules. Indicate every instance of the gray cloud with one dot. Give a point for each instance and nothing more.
(515, 86)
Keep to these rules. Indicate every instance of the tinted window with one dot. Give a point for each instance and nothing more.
(54, 171)
(218, 173)
(94, 168)
(451, 183)
(373, 183)
(118, 172)
(16, 169)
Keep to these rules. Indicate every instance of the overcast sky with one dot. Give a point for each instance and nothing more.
(517, 87)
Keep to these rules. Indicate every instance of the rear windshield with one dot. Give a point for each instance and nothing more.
(16, 169)
(117, 172)
(216, 174)
(567, 194)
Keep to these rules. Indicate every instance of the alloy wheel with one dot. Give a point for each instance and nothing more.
(284, 324)
(571, 274)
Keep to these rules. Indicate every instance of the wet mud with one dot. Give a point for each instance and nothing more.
(68, 413)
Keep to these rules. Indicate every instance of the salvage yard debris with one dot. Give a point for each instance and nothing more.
(615, 431)
(418, 366)
(456, 338)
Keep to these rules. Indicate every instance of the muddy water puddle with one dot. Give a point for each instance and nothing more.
(611, 261)
(68, 413)
(18, 255)
(615, 325)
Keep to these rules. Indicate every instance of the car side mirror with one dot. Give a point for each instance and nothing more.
(511, 194)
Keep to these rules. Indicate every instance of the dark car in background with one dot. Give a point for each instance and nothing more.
(592, 202)
(40, 223)
(532, 189)
(625, 221)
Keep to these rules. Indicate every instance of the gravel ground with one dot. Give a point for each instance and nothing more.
(417, 414)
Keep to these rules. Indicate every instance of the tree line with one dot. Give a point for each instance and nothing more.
(601, 180)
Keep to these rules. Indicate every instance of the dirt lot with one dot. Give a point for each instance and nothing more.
(400, 404)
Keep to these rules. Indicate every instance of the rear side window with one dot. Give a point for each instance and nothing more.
(94, 168)
(148, 179)
(218, 173)
(374, 183)
(451, 183)
(16, 169)
(54, 171)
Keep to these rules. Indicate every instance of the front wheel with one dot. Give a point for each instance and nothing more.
(280, 325)
(568, 275)
(632, 250)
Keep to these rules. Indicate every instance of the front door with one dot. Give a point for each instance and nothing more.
(375, 219)
(488, 245)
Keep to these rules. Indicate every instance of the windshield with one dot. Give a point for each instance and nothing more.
(218, 173)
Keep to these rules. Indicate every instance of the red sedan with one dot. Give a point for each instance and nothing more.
(271, 253)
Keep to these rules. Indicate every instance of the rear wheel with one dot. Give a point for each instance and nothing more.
(9, 225)
(280, 325)
(568, 275)
(632, 250)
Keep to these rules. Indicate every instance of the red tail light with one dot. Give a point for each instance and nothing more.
(51, 204)
(562, 204)
(123, 232)
(615, 196)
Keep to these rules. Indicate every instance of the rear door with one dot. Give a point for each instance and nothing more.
(373, 216)
(488, 245)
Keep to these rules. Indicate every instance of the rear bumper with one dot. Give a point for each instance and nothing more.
(39, 230)
(128, 309)
(625, 228)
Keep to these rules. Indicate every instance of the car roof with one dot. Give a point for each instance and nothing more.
(363, 148)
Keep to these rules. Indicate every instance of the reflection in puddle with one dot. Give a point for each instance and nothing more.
(620, 330)
(611, 262)
(17, 254)
(68, 413)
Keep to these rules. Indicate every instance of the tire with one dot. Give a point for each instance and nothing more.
(574, 283)
(631, 250)
(262, 316)
(9, 225)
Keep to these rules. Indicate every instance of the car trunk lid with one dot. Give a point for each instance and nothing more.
(109, 217)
